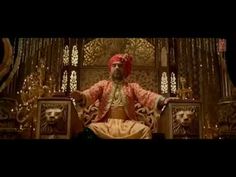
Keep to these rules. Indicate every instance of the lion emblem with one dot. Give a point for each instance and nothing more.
(184, 123)
(53, 121)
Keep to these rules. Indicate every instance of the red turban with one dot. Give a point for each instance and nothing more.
(125, 59)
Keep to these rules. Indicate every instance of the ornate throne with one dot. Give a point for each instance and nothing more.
(96, 52)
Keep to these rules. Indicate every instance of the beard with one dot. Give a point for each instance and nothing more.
(117, 75)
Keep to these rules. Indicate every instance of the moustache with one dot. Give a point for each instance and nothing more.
(117, 70)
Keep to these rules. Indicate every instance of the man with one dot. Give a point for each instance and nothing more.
(116, 118)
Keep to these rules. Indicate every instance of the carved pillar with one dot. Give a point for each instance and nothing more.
(227, 118)
(227, 104)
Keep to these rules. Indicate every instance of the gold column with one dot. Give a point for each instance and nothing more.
(225, 80)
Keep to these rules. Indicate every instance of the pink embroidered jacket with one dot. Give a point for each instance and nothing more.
(133, 92)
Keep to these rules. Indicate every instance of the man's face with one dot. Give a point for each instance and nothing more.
(117, 71)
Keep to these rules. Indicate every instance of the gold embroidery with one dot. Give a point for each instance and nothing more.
(117, 99)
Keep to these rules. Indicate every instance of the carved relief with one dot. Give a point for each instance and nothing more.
(88, 114)
(227, 117)
(8, 123)
(185, 121)
(142, 51)
(147, 116)
(144, 115)
(146, 78)
(53, 119)
(8, 113)
(98, 51)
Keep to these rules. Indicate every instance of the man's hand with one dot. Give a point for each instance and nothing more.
(167, 100)
(79, 97)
